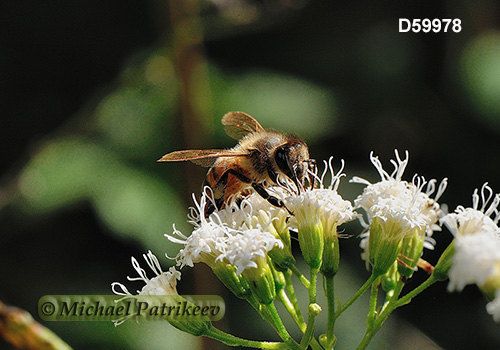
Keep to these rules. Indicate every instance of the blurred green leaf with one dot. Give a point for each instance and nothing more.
(480, 72)
(276, 101)
(157, 335)
(63, 172)
(129, 335)
(136, 118)
(129, 201)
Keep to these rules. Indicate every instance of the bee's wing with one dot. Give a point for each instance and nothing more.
(203, 157)
(239, 124)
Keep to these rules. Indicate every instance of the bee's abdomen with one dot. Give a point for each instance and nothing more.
(227, 179)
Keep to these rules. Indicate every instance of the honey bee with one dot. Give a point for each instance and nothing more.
(258, 161)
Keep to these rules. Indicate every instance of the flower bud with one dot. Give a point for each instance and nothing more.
(261, 281)
(164, 283)
(279, 277)
(314, 309)
(395, 209)
(311, 243)
(411, 250)
(390, 279)
(282, 257)
(443, 266)
(492, 283)
(331, 253)
(384, 245)
(226, 273)
(318, 212)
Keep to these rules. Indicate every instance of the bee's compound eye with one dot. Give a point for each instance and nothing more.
(281, 158)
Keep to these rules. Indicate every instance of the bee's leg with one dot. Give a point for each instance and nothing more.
(271, 199)
(220, 187)
(210, 207)
(212, 203)
(257, 187)
(238, 175)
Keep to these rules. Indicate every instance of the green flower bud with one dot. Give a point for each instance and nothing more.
(226, 273)
(279, 277)
(282, 257)
(331, 253)
(319, 211)
(384, 245)
(261, 281)
(314, 309)
(391, 278)
(323, 340)
(411, 250)
(444, 263)
(311, 243)
(492, 283)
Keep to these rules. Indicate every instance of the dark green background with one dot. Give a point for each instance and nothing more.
(90, 97)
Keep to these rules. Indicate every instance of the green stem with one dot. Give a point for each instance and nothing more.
(280, 327)
(355, 297)
(263, 312)
(393, 304)
(300, 276)
(311, 315)
(297, 317)
(366, 340)
(330, 327)
(299, 321)
(293, 297)
(315, 344)
(306, 339)
(372, 312)
(392, 297)
(231, 340)
(313, 284)
(408, 297)
(270, 314)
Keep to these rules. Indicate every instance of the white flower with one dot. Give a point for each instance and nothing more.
(245, 248)
(483, 216)
(397, 200)
(233, 235)
(476, 258)
(399, 208)
(164, 283)
(493, 307)
(319, 211)
(254, 212)
(206, 242)
(405, 205)
(323, 203)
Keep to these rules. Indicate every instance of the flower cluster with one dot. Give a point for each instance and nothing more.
(164, 283)
(248, 246)
(232, 235)
(234, 241)
(319, 211)
(398, 212)
(476, 258)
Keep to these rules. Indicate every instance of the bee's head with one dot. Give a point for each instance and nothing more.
(292, 159)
